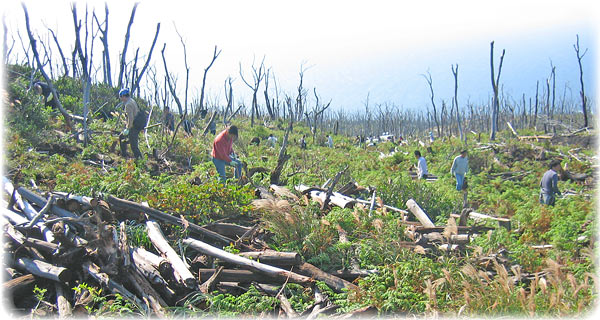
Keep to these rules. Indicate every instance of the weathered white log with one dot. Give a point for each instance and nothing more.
(62, 303)
(159, 263)
(27, 209)
(336, 198)
(182, 273)
(419, 213)
(385, 206)
(12, 216)
(44, 269)
(286, 306)
(246, 263)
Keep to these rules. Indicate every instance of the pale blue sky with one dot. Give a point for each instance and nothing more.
(352, 48)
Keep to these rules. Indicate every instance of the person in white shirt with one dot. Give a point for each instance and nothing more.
(460, 166)
(421, 165)
(329, 141)
(271, 141)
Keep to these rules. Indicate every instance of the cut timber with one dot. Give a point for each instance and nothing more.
(44, 269)
(504, 222)
(318, 195)
(419, 213)
(140, 255)
(156, 214)
(274, 257)
(246, 263)
(337, 284)
(182, 273)
(64, 307)
(115, 287)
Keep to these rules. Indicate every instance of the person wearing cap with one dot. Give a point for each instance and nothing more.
(222, 153)
(421, 165)
(549, 184)
(44, 89)
(460, 167)
(131, 131)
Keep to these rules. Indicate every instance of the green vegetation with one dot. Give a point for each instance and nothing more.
(408, 282)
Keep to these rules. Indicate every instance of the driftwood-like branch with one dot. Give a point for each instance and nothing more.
(246, 263)
(419, 213)
(332, 281)
(182, 273)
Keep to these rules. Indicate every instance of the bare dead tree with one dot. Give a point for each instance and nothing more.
(4, 41)
(267, 100)
(495, 102)
(138, 77)
(187, 71)
(32, 42)
(460, 130)
(537, 87)
(318, 112)
(105, 53)
(257, 76)
(62, 56)
(553, 76)
(125, 45)
(301, 95)
(582, 92)
(201, 106)
(435, 117)
(229, 98)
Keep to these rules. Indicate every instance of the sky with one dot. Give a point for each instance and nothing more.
(349, 49)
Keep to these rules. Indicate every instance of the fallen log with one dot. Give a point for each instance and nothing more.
(20, 285)
(142, 257)
(286, 306)
(272, 257)
(62, 302)
(246, 263)
(351, 275)
(156, 214)
(115, 287)
(320, 196)
(182, 273)
(27, 209)
(419, 213)
(209, 284)
(146, 291)
(335, 283)
(43, 269)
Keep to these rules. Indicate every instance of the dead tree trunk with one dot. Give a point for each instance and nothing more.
(435, 117)
(105, 53)
(62, 56)
(258, 76)
(32, 42)
(124, 52)
(201, 106)
(495, 102)
(138, 77)
(458, 122)
(582, 92)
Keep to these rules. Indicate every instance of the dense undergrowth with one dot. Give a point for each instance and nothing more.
(408, 282)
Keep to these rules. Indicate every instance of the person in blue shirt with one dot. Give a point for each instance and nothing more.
(549, 184)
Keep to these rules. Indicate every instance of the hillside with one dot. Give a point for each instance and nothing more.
(540, 263)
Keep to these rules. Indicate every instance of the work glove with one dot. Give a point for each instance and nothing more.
(125, 132)
(235, 163)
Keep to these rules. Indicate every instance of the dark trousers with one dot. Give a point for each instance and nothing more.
(131, 139)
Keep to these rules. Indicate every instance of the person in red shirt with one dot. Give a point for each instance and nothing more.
(222, 152)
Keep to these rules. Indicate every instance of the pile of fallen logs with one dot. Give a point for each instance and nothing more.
(59, 241)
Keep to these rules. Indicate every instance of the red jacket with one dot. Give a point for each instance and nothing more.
(222, 146)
